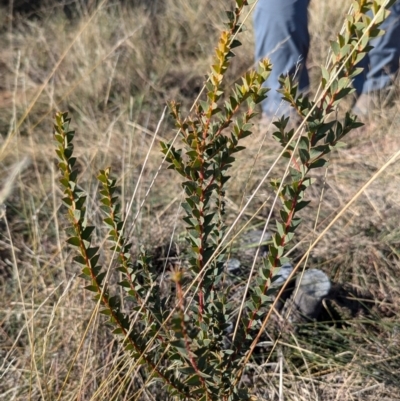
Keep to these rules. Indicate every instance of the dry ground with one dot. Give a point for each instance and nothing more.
(113, 69)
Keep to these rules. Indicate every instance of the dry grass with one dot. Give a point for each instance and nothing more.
(121, 67)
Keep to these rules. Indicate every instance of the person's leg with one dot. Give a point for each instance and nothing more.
(382, 63)
(281, 33)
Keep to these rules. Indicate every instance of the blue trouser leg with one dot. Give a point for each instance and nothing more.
(382, 62)
(281, 33)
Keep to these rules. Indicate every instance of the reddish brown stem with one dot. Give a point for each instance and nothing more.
(185, 335)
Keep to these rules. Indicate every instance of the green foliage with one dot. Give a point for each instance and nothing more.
(182, 339)
(134, 334)
(309, 148)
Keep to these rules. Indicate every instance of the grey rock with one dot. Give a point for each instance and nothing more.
(310, 289)
(281, 275)
(278, 279)
(249, 244)
(233, 266)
